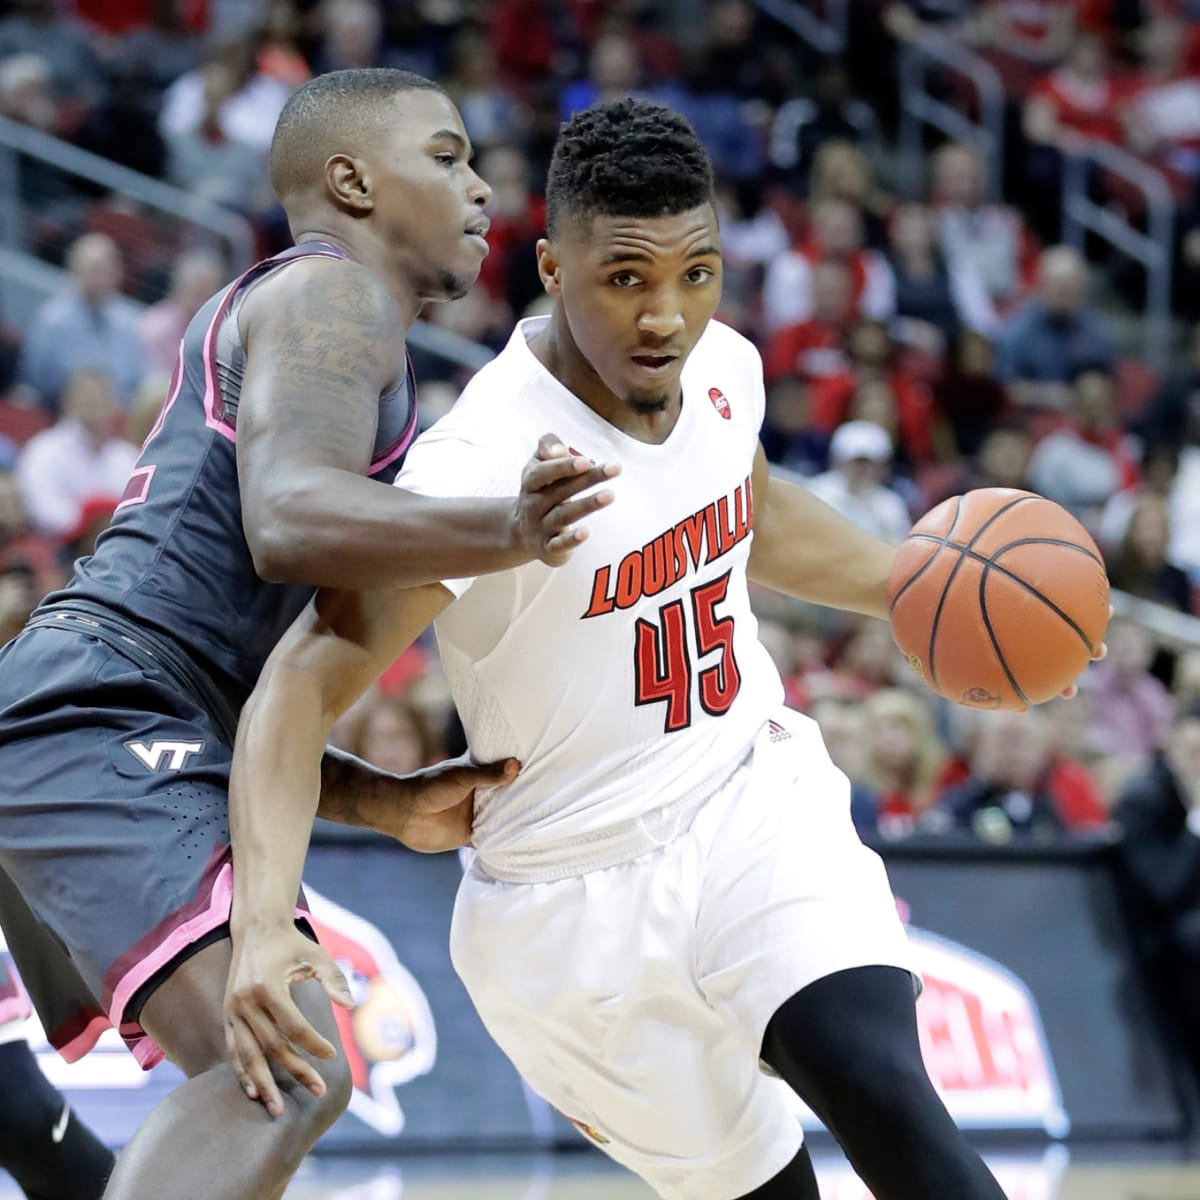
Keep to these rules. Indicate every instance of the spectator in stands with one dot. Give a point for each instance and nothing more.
(1007, 794)
(210, 162)
(390, 732)
(18, 597)
(991, 237)
(491, 116)
(248, 101)
(842, 171)
(95, 514)
(26, 92)
(37, 27)
(837, 234)
(936, 297)
(1159, 469)
(969, 397)
(509, 272)
(843, 730)
(78, 458)
(1140, 565)
(804, 124)
(123, 128)
(1163, 117)
(161, 50)
(88, 325)
(1083, 463)
(1046, 344)
(905, 762)
(196, 276)
(789, 438)
(614, 70)
(352, 37)
(1079, 100)
(1131, 709)
(812, 349)
(1173, 415)
(860, 456)
(1159, 813)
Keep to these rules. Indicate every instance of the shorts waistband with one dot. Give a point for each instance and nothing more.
(143, 647)
(610, 846)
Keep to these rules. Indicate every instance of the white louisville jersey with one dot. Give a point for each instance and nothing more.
(633, 675)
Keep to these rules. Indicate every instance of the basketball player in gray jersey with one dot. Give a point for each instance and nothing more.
(291, 403)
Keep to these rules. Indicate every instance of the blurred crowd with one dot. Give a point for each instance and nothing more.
(915, 345)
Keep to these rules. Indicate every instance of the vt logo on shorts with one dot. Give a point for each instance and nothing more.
(175, 754)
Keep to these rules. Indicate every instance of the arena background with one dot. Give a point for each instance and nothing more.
(964, 237)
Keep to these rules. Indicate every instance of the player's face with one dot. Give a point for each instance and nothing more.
(428, 200)
(637, 294)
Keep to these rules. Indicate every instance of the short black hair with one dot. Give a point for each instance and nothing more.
(333, 113)
(627, 158)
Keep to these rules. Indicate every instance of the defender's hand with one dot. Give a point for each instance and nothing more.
(432, 809)
(263, 1023)
(545, 521)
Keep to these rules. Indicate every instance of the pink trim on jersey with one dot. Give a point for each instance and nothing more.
(214, 405)
(204, 920)
(172, 395)
(402, 443)
(81, 1043)
(220, 902)
(138, 486)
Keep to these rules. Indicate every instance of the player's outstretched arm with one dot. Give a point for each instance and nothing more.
(332, 653)
(323, 339)
(804, 548)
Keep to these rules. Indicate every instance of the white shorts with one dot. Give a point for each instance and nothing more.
(634, 999)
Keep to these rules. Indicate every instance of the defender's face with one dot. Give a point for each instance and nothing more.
(637, 294)
(428, 200)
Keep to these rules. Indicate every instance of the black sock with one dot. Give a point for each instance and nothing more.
(848, 1046)
(49, 1152)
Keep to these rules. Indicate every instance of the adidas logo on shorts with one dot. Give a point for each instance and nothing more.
(777, 732)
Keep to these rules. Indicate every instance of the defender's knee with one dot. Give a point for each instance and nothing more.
(313, 1115)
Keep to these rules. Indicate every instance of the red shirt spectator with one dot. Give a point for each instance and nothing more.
(1079, 98)
(812, 349)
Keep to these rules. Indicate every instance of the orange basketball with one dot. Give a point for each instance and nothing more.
(998, 599)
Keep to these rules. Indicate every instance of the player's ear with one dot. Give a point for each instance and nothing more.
(547, 262)
(349, 183)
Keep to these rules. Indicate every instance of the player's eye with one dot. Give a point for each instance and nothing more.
(447, 159)
(623, 279)
(699, 275)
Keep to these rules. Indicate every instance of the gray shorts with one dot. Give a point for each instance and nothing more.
(114, 832)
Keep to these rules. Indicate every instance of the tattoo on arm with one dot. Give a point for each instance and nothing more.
(335, 344)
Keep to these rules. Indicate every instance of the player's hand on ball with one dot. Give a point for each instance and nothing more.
(1071, 692)
(546, 522)
(262, 1022)
(432, 809)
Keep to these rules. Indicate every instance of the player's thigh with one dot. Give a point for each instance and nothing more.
(184, 1012)
(790, 894)
(587, 985)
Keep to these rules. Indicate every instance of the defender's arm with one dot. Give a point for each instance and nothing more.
(323, 340)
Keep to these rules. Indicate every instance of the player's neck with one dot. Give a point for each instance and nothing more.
(373, 258)
(557, 351)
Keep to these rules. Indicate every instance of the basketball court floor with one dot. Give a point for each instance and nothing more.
(1055, 1174)
(1141, 1173)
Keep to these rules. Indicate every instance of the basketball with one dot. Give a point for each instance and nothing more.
(998, 599)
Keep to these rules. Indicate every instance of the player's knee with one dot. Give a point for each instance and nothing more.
(315, 1114)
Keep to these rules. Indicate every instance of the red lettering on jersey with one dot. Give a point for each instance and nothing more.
(602, 602)
(629, 580)
(666, 559)
(693, 530)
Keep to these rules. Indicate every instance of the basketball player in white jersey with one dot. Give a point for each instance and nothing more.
(669, 904)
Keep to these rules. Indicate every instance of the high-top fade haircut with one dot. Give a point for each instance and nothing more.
(336, 113)
(627, 158)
